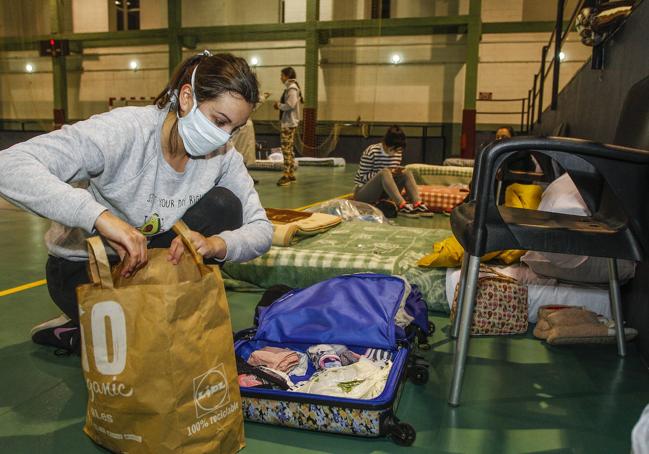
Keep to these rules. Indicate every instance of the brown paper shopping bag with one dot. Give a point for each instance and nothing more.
(158, 356)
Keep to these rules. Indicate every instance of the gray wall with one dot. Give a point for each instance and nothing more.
(592, 100)
(591, 104)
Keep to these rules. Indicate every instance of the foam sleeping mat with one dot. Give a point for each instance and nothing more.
(322, 162)
(351, 247)
(440, 175)
(542, 291)
(267, 164)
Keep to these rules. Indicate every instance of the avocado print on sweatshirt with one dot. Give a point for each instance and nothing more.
(151, 225)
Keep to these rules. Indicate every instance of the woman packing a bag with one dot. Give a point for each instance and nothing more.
(130, 174)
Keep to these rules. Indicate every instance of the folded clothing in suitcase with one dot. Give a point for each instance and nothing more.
(372, 318)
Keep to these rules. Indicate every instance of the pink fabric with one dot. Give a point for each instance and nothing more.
(281, 359)
(249, 381)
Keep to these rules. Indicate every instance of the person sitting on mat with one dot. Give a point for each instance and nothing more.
(144, 169)
(380, 173)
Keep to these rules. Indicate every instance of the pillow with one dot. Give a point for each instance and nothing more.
(562, 196)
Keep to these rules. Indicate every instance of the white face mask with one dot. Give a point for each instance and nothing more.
(200, 136)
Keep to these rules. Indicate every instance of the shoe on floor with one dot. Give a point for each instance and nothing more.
(422, 210)
(284, 181)
(408, 210)
(291, 177)
(59, 332)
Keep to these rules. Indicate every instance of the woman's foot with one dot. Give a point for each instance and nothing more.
(59, 332)
(407, 210)
(423, 210)
(286, 180)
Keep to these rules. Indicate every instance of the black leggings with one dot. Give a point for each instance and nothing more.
(217, 211)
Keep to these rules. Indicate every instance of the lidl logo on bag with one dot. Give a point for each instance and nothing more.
(211, 391)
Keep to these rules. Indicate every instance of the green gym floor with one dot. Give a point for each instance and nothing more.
(520, 395)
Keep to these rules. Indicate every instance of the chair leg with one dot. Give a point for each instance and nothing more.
(460, 297)
(462, 344)
(616, 306)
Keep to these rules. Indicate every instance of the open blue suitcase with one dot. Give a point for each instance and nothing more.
(358, 311)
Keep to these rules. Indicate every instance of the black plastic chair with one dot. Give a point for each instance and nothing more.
(612, 180)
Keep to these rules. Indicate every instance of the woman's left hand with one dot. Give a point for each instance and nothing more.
(208, 247)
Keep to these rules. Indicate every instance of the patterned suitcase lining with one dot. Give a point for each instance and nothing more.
(323, 418)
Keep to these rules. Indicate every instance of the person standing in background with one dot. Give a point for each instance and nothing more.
(289, 118)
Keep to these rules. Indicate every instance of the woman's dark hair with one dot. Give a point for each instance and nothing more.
(508, 128)
(215, 75)
(289, 72)
(395, 137)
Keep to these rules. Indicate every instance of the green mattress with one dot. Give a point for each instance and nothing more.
(351, 247)
(443, 175)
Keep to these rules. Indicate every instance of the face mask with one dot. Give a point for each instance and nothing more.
(200, 136)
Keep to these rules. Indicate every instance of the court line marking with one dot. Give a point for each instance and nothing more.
(20, 288)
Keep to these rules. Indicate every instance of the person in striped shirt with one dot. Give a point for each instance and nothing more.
(380, 173)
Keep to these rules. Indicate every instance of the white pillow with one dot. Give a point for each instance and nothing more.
(562, 196)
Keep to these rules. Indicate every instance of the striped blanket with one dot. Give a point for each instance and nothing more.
(351, 247)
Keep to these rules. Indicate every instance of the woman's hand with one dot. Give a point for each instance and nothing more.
(128, 242)
(208, 247)
(276, 105)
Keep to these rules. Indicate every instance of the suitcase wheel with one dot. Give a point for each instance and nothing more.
(422, 339)
(418, 374)
(431, 328)
(402, 434)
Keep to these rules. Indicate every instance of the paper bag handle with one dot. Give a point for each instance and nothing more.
(98, 263)
(181, 229)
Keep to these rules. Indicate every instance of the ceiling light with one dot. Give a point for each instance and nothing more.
(395, 59)
(254, 61)
(133, 65)
(29, 68)
(562, 56)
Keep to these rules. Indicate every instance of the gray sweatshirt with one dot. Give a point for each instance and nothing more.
(119, 156)
(289, 105)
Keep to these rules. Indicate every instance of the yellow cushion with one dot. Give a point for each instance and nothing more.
(448, 252)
